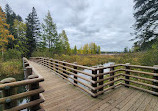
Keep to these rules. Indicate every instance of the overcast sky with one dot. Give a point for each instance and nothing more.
(106, 22)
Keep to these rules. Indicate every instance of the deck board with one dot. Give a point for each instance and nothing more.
(60, 95)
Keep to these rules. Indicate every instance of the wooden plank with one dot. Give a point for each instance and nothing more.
(110, 96)
(119, 100)
(156, 106)
(131, 102)
(138, 102)
(152, 104)
(145, 102)
(123, 103)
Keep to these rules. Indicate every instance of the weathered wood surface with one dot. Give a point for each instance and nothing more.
(62, 96)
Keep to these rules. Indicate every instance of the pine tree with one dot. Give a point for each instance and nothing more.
(32, 31)
(146, 15)
(50, 33)
(65, 43)
(75, 50)
(4, 32)
(125, 49)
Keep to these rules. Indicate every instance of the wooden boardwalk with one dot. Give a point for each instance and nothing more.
(62, 96)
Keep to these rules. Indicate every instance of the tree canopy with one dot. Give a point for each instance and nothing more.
(4, 32)
(146, 15)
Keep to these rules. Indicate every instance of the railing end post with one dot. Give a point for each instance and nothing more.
(101, 77)
(94, 72)
(112, 68)
(156, 78)
(9, 91)
(127, 73)
(75, 77)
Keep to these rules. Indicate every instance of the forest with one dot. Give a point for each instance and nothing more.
(26, 37)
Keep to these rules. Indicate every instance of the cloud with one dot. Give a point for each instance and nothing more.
(105, 22)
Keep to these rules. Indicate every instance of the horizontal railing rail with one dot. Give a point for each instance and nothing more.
(10, 96)
(96, 81)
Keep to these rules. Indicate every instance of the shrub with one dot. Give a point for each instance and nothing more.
(12, 54)
(11, 67)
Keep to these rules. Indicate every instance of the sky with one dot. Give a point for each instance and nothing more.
(108, 23)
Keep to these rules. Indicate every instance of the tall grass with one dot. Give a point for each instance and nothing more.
(91, 60)
(11, 67)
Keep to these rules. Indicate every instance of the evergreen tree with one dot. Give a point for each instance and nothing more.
(65, 43)
(50, 33)
(10, 17)
(75, 50)
(32, 31)
(146, 15)
(125, 49)
(98, 50)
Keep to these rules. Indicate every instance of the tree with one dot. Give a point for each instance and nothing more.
(64, 43)
(4, 32)
(146, 15)
(50, 33)
(90, 48)
(32, 31)
(125, 49)
(85, 49)
(75, 50)
(98, 50)
(93, 48)
(10, 17)
(21, 40)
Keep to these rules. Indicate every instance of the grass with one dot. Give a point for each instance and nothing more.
(91, 60)
(11, 67)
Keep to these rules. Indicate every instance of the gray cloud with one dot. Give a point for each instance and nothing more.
(105, 22)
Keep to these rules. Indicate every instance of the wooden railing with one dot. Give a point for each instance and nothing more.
(10, 96)
(97, 81)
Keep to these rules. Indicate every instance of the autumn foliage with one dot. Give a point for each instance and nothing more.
(4, 32)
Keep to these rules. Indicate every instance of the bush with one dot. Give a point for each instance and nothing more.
(150, 58)
(12, 54)
(11, 67)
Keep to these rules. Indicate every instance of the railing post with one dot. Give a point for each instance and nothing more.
(51, 65)
(64, 68)
(34, 86)
(94, 72)
(56, 66)
(100, 78)
(40, 62)
(8, 91)
(127, 73)
(28, 71)
(112, 74)
(75, 77)
(43, 61)
(156, 78)
(47, 62)
(26, 64)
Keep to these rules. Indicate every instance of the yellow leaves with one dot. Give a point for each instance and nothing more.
(4, 32)
(11, 36)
